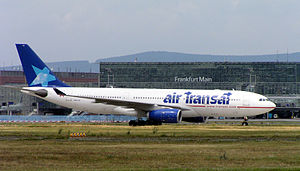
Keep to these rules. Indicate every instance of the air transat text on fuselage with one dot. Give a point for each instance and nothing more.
(198, 99)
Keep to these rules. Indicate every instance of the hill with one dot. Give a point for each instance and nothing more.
(163, 56)
(65, 66)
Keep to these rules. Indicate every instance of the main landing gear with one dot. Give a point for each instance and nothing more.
(140, 122)
(245, 123)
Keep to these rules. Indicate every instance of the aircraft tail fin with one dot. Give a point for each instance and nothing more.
(36, 72)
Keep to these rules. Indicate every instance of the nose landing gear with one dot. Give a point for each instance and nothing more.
(245, 123)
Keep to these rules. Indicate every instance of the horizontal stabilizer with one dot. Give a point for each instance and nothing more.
(58, 92)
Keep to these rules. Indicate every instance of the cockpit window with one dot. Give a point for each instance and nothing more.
(263, 99)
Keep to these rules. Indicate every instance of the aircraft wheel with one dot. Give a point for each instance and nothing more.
(132, 123)
(153, 122)
(244, 123)
(141, 123)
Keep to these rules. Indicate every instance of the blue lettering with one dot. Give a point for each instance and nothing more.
(222, 100)
(174, 97)
(227, 98)
(168, 99)
(203, 100)
(207, 99)
(177, 98)
(213, 99)
(197, 100)
(187, 97)
(191, 98)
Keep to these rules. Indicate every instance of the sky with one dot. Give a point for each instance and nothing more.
(66, 30)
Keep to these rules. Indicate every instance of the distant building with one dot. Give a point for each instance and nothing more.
(17, 78)
(267, 78)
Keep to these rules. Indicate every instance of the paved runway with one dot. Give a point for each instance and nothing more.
(112, 118)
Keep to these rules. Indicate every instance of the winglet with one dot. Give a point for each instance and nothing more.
(36, 72)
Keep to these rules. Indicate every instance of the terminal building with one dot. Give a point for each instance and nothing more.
(280, 81)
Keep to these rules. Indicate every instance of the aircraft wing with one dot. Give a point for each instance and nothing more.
(125, 103)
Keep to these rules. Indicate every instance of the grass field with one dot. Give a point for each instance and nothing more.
(43, 146)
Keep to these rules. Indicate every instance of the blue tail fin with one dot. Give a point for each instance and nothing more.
(36, 72)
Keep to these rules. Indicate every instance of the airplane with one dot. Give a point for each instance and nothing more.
(13, 107)
(157, 105)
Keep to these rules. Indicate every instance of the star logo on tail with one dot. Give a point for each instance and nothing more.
(43, 76)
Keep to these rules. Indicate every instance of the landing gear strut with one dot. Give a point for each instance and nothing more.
(245, 123)
(140, 122)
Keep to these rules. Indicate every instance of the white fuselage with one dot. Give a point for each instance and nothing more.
(192, 103)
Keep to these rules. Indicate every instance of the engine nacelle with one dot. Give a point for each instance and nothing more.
(165, 115)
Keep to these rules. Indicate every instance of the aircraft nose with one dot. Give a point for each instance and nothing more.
(273, 104)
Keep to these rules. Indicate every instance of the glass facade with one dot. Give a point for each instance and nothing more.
(267, 78)
(264, 78)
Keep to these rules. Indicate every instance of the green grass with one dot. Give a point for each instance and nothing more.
(118, 147)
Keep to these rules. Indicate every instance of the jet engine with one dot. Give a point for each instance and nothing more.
(165, 115)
